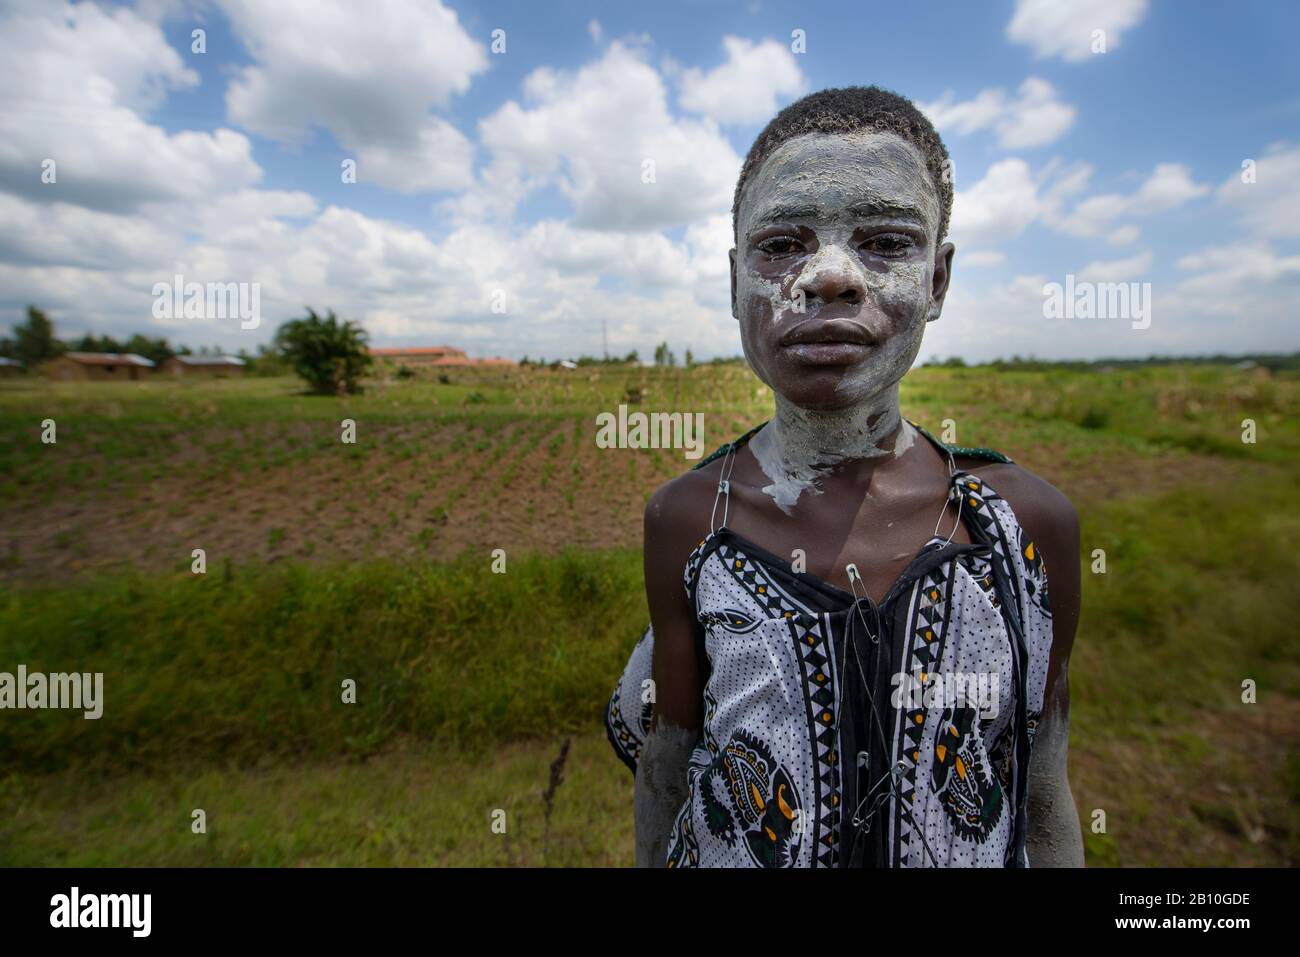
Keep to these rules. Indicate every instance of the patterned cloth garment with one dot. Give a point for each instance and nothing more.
(839, 733)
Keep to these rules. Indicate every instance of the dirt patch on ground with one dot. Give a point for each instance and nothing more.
(431, 491)
(523, 486)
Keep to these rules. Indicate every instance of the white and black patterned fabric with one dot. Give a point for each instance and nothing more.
(809, 756)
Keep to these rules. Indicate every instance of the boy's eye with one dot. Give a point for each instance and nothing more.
(780, 246)
(889, 245)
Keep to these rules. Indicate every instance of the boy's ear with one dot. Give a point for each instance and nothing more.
(942, 275)
(732, 256)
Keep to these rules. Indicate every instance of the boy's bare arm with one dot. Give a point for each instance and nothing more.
(660, 789)
(672, 521)
(1053, 838)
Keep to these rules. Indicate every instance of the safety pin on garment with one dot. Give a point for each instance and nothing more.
(855, 579)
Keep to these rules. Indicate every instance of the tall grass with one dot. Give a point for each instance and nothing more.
(251, 664)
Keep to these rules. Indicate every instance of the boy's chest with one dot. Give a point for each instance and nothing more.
(879, 541)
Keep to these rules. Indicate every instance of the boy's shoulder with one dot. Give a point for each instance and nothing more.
(1040, 507)
(687, 497)
(1036, 502)
(682, 496)
(677, 521)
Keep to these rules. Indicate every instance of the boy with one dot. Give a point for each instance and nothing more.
(872, 699)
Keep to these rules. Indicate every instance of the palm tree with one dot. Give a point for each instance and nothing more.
(331, 355)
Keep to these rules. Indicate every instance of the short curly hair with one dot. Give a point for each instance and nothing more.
(847, 110)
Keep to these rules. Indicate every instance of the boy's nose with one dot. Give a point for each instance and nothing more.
(831, 275)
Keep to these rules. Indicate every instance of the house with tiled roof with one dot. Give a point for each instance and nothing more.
(439, 356)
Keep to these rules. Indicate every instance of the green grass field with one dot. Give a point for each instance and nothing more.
(371, 562)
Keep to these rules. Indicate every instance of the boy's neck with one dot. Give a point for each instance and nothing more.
(799, 447)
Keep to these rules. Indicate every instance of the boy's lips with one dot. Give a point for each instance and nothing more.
(830, 332)
(827, 353)
(827, 342)
(835, 342)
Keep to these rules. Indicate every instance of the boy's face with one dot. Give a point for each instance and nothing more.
(837, 267)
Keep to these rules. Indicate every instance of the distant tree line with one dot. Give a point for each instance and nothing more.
(330, 354)
(663, 356)
(33, 341)
(1274, 362)
(631, 358)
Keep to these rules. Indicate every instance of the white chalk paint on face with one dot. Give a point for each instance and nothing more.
(776, 296)
(831, 178)
(835, 172)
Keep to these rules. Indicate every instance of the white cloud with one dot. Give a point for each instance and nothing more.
(1124, 235)
(95, 272)
(62, 234)
(1118, 270)
(1063, 181)
(1218, 273)
(981, 258)
(746, 88)
(439, 157)
(76, 77)
(1011, 197)
(1270, 206)
(982, 322)
(1065, 28)
(1094, 215)
(591, 134)
(585, 133)
(650, 259)
(1169, 186)
(1032, 118)
(1234, 301)
(1238, 300)
(997, 208)
(369, 74)
(709, 241)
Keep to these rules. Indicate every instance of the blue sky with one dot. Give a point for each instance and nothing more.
(498, 204)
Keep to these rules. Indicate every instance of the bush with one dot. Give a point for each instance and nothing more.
(330, 354)
(1094, 418)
